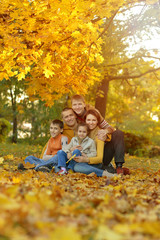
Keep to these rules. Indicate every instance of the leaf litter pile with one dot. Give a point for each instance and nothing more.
(37, 205)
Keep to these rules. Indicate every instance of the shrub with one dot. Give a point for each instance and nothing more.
(135, 145)
(5, 127)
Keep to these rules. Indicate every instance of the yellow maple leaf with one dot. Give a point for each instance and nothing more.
(1, 160)
(21, 76)
(9, 156)
(65, 233)
(48, 73)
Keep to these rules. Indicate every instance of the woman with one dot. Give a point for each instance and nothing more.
(88, 165)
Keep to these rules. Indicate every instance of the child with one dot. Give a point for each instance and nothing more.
(55, 143)
(81, 145)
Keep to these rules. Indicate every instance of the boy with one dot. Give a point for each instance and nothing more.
(55, 143)
(81, 145)
(80, 108)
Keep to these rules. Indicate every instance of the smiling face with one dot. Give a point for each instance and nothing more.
(78, 106)
(69, 117)
(92, 121)
(82, 132)
(55, 130)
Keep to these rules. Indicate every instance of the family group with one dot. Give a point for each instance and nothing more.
(83, 142)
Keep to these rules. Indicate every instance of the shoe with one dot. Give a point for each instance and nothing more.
(107, 174)
(124, 171)
(110, 168)
(21, 167)
(119, 170)
(62, 172)
(43, 169)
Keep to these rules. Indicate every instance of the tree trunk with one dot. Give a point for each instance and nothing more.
(101, 102)
(14, 137)
(14, 110)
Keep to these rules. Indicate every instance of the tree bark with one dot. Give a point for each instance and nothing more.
(101, 102)
(14, 111)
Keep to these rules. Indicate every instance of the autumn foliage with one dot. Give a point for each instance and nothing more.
(55, 41)
(36, 205)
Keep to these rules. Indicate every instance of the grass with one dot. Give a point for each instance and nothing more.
(21, 150)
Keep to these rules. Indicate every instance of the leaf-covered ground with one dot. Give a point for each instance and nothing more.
(38, 206)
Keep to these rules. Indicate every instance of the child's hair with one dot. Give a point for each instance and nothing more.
(78, 98)
(83, 124)
(58, 122)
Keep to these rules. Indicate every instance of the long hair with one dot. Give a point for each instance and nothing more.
(95, 113)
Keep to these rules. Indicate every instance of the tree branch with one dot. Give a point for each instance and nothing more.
(130, 59)
(108, 25)
(125, 77)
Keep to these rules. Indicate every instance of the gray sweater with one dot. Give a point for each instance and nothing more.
(88, 146)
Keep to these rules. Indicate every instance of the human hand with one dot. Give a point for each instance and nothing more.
(84, 155)
(80, 159)
(102, 134)
(69, 155)
(76, 147)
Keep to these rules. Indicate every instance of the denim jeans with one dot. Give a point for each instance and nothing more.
(62, 159)
(89, 168)
(39, 162)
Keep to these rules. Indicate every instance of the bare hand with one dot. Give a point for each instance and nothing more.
(84, 155)
(69, 155)
(76, 147)
(80, 159)
(102, 134)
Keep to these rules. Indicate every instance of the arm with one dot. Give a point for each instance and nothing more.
(93, 151)
(45, 156)
(67, 148)
(93, 160)
(64, 141)
(99, 157)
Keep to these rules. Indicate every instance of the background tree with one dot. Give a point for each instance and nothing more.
(126, 29)
(55, 41)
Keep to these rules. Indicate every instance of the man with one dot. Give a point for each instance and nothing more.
(70, 122)
(114, 147)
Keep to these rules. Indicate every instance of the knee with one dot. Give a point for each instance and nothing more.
(118, 134)
(79, 168)
(77, 152)
(61, 152)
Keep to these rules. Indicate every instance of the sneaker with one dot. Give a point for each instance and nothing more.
(110, 168)
(43, 169)
(21, 167)
(62, 172)
(109, 175)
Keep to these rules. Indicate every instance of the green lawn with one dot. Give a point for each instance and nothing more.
(22, 150)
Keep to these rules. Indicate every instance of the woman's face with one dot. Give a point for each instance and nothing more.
(92, 121)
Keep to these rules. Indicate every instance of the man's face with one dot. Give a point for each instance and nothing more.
(78, 106)
(69, 117)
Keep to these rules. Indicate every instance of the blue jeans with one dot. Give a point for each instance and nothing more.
(39, 162)
(89, 168)
(62, 159)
